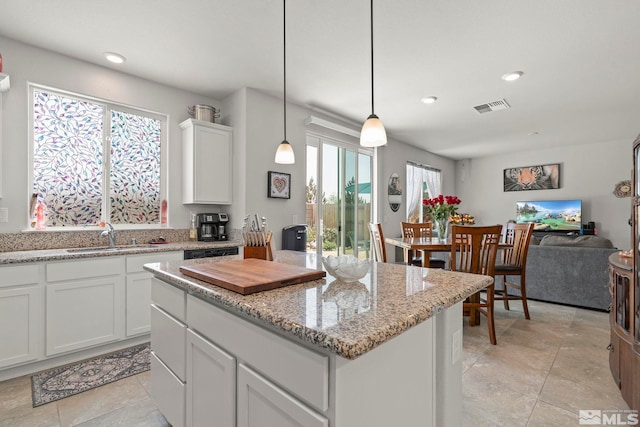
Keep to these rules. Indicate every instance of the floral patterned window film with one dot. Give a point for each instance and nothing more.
(67, 159)
(135, 169)
(94, 161)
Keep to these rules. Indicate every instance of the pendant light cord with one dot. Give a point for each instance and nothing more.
(284, 44)
(372, 109)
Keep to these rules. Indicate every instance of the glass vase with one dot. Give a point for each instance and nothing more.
(442, 228)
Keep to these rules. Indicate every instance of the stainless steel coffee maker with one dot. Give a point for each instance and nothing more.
(212, 226)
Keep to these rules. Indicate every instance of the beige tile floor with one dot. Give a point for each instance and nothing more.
(541, 373)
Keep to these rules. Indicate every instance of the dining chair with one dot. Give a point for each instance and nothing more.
(474, 250)
(514, 263)
(420, 229)
(377, 241)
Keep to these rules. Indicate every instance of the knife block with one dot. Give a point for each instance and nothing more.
(259, 252)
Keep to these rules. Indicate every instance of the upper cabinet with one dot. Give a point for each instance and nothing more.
(207, 155)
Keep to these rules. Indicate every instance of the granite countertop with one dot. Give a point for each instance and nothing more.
(16, 257)
(348, 319)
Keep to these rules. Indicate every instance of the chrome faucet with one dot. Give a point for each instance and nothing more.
(111, 232)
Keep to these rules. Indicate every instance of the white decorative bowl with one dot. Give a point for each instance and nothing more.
(346, 267)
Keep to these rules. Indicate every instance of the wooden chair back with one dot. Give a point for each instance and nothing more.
(519, 236)
(377, 241)
(474, 249)
(419, 229)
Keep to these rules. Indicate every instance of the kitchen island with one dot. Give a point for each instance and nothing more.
(385, 350)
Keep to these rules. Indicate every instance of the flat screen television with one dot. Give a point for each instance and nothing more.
(551, 215)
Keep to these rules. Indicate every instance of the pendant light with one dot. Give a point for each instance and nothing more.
(284, 153)
(372, 133)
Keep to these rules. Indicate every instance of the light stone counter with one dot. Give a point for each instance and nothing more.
(347, 319)
(23, 256)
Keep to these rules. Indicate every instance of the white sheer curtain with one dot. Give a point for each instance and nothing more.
(414, 191)
(434, 182)
(417, 176)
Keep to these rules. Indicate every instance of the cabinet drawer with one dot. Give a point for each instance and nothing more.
(71, 270)
(16, 275)
(171, 299)
(167, 392)
(135, 263)
(168, 341)
(262, 404)
(297, 369)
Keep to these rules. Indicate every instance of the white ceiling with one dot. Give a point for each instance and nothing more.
(580, 58)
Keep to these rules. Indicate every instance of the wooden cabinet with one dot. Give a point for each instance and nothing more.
(624, 286)
(207, 156)
(19, 309)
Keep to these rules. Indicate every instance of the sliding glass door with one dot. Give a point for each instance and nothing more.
(339, 202)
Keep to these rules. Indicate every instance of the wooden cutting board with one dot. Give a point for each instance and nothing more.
(247, 276)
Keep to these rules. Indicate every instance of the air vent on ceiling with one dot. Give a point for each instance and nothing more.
(492, 106)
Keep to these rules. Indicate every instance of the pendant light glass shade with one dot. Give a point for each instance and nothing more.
(372, 133)
(284, 153)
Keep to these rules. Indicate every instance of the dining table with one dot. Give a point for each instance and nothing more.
(426, 245)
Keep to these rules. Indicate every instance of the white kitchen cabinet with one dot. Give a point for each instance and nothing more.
(167, 392)
(138, 290)
(19, 309)
(168, 341)
(84, 304)
(207, 155)
(211, 383)
(262, 404)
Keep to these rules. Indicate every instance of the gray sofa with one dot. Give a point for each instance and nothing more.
(571, 271)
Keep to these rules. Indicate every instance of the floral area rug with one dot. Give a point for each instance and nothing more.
(58, 383)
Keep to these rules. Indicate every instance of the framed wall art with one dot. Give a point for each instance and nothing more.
(279, 185)
(539, 177)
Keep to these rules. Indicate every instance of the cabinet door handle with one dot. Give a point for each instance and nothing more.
(610, 347)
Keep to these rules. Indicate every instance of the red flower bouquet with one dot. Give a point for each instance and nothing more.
(442, 207)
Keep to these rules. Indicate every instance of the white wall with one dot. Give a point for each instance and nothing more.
(588, 172)
(25, 63)
(393, 159)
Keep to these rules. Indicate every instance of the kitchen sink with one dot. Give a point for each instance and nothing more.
(107, 248)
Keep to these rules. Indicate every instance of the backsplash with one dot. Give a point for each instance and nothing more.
(30, 241)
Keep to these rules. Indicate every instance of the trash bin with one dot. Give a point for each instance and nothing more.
(294, 237)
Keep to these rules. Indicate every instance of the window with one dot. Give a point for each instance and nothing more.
(96, 161)
(423, 182)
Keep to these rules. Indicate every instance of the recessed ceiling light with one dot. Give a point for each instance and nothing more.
(513, 75)
(429, 100)
(116, 58)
